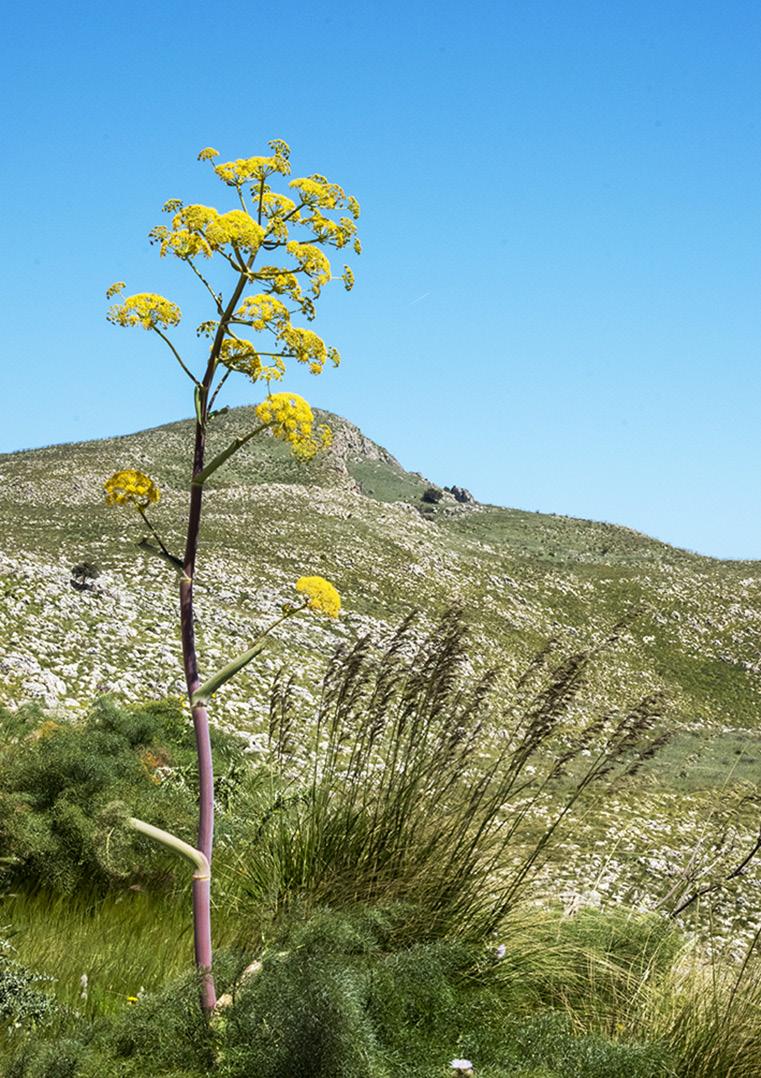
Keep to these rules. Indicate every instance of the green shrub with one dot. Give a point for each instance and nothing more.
(59, 777)
(22, 1002)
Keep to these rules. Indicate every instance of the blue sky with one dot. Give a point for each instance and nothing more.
(558, 300)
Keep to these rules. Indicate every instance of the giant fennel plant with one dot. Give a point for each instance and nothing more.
(275, 245)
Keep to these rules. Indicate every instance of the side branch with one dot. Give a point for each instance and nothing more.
(197, 859)
(177, 355)
(202, 694)
(202, 279)
(170, 559)
(205, 691)
(237, 443)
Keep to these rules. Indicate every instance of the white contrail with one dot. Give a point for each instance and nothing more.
(413, 301)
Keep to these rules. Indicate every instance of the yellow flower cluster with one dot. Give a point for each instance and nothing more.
(208, 154)
(348, 278)
(280, 281)
(248, 169)
(312, 261)
(262, 312)
(315, 190)
(201, 230)
(306, 346)
(239, 355)
(321, 595)
(145, 309)
(237, 228)
(131, 488)
(337, 233)
(290, 419)
(277, 205)
(114, 289)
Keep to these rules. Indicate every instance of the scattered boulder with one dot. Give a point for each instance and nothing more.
(432, 496)
(460, 494)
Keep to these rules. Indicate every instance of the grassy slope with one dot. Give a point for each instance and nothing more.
(521, 578)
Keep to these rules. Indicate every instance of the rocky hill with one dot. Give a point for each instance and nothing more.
(391, 543)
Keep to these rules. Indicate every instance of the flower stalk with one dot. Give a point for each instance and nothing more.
(202, 231)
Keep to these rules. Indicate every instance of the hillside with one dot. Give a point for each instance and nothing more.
(356, 517)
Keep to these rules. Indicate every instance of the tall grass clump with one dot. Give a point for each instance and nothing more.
(709, 1015)
(411, 785)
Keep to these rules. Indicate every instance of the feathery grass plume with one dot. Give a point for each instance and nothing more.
(413, 786)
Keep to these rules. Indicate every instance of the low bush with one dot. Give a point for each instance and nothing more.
(338, 997)
(58, 778)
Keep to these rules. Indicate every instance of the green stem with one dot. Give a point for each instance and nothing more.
(177, 355)
(170, 559)
(162, 552)
(216, 462)
(203, 692)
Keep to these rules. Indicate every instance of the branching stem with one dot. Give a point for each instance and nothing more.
(177, 355)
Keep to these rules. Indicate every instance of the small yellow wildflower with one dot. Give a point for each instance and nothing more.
(115, 288)
(348, 278)
(321, 594)
(46, 729)
(357, 246)
(145, 309)
(131, 488)
(208, 154)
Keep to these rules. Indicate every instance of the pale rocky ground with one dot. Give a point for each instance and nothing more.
(356, 519)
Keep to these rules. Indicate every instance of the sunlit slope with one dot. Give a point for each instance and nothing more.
(355, 517)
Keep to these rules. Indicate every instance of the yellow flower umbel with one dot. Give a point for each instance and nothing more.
(145, 309)
(321, 595)
(131, 488)
(290, 419)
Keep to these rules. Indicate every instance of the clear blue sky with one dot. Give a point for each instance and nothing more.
(558, 301)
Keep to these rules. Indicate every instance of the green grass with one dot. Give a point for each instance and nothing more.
(363, 972)
(122, 942)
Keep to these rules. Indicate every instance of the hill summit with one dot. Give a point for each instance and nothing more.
(388, 538)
